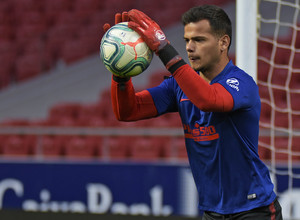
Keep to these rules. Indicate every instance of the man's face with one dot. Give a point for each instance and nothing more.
(202, 46)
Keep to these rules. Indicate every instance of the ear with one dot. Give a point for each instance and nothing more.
(224, 42)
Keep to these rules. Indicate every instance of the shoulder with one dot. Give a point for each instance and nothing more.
(237, 79)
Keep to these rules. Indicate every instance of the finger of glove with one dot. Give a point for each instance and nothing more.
(139, 17)
(125, 16)
(118, 18)
(143, 33)
(136, 27)
(106, 26)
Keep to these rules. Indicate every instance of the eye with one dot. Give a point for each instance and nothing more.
(199, 39)
(186, 40)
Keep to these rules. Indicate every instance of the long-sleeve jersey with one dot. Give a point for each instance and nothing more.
(220, 122)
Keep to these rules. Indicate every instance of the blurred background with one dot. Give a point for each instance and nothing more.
(61, 148)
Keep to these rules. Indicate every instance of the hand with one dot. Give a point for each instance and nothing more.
(118, 19)
(149, 30)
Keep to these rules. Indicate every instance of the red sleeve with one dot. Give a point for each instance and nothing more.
(131, 106)
(213, 98)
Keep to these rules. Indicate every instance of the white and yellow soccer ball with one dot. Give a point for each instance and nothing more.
(123, 51)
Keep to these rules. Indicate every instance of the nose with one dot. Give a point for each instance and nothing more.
(190, 47)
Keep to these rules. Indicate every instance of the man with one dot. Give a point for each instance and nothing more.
(219, 106)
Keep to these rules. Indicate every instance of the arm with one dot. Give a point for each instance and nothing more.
(128, 105)
(212, 98)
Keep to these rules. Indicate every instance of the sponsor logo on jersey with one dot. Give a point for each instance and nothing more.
(233, 83)
(201, 133)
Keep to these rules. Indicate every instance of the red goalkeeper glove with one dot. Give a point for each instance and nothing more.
(118, 19)
(155, 38)
(149, 30)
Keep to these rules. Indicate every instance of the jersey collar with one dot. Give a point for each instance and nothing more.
(224, 72)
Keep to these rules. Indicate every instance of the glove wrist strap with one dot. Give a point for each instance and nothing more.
(170, 58)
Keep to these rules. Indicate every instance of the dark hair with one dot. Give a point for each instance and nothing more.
(218, 19)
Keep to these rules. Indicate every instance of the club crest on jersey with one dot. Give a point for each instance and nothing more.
(233, 83)
(160, 35)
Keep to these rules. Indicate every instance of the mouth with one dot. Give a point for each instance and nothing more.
(194, 58)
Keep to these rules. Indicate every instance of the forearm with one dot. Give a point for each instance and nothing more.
(131, 106)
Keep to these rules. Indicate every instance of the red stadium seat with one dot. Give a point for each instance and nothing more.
(80, 148)
(295, 103)
(264, 151)
(265, 114)
(144, 149)
(264, 92)
(6, 32)
(74, 50)
(49, 147)
(17, 146)
(58, 5)
(282, 56)
(295, 81)
(279, 76)
(180, 149)
(116, 148)
(28, 66)
(280, 98)
(296, 61)
(263, 70)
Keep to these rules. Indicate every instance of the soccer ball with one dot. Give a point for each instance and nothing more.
(123, 51)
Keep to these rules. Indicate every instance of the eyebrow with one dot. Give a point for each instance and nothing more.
(195, 38)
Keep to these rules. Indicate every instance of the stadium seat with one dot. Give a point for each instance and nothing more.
(282, 56)
(279, 76)
(281, 149)
(264, 151)
(28, 66)
(295, 103)
(179, 145)
(6, 32)
(89, 37)
(84, 8)
(54, 6)
(296, 120)
(264, 49)
(74, 50)
(79, 148)
(116, 148)
(263, 70)
(295, 81)
(296, 61)
(29, 32)
(296, 148)
(264, 92)
(5, 78)
(145, 149)
(67, 109)
(280, 98)
(265, 113)
(23, 6)
(281, 119)
(49, 146)
(17, 146)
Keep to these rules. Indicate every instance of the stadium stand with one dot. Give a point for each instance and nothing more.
(36, 35)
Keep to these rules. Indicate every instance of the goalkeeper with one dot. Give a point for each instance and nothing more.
(219, 106)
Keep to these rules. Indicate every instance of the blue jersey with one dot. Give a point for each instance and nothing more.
(222, 146)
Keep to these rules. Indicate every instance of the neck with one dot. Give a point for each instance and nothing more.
(210, 74)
